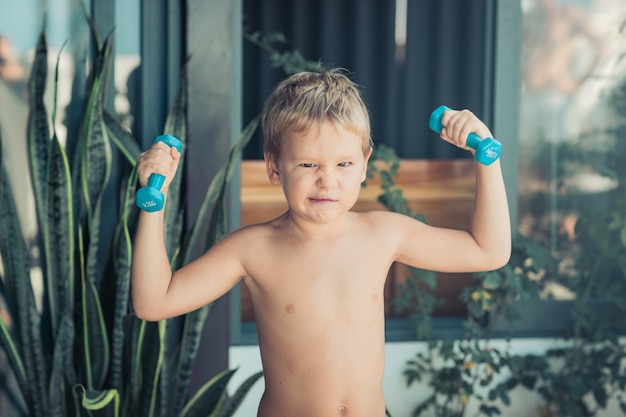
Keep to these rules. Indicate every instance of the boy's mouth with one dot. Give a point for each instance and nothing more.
(322, 199)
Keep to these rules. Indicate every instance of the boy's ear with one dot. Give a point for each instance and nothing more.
(272, 170)
(367, 158)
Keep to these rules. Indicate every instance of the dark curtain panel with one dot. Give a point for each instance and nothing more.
(442, 62)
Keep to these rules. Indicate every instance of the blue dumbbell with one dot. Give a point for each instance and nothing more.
(487, 149)
(150, 198)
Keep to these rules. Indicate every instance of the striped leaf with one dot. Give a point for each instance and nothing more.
(194, 321)
(190, 342)
(91, 333)
(216, 189)
(38, 130)
(16, 261)
(207, 401)
(62, 365)
(148, 363)
(176, 125)
(134, 330)
(176, 122)
(96, 158)
(122, 249)
(13, 356)
(95, 150)
(58, 233)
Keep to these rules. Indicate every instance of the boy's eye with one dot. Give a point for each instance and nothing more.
(307, 165)
(345, 164)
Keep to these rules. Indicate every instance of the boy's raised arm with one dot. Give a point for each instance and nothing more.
(151, 272)
(157, 292)
(487, 245)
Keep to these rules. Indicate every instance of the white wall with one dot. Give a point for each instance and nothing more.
(400, 399)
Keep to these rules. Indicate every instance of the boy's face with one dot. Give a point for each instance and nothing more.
(321, 172)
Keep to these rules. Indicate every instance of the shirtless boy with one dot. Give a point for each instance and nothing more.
(316, 273)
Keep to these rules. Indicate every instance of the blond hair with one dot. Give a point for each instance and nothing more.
(306, 99)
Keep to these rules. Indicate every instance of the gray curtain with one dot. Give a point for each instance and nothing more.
(443, 61)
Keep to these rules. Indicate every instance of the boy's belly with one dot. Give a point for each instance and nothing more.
(290, 401)
(332, 376)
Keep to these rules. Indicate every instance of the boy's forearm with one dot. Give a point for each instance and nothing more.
(151, 271)
(491, 227)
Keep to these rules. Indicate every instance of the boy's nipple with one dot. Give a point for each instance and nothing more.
(290, 308)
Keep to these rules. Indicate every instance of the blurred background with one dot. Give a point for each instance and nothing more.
(549, 77)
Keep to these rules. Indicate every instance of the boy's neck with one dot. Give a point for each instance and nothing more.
(316, 230)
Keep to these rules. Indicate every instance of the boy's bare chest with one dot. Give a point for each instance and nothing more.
(321, 261)
(307, 277)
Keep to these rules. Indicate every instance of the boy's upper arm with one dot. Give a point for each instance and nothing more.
(209, 277)
(434, 248)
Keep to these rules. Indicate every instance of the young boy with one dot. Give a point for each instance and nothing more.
(316, 273)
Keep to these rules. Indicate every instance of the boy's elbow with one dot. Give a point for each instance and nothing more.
(144, 312)
(503, 261)
(146, 316)
(501, 258)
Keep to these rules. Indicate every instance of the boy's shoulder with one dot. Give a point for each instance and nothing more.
(383, 218)
(258, 231)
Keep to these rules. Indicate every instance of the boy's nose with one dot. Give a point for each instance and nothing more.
(327, 179)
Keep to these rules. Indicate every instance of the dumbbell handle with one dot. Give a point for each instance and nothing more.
(487, 149)
(150, 198)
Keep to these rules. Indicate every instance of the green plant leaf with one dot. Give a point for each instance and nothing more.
(98, 399)
(13, 356)
(207, 400)
(123, 140)
(234, 401)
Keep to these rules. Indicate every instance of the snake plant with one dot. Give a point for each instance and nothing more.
(84, 349)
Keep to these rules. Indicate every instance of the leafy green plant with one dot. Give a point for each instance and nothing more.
(471, 368)
(84, 349)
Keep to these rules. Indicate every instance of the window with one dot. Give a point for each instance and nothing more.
(552, 85)
(572, 131)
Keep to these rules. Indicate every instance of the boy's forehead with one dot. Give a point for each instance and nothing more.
(322, 139)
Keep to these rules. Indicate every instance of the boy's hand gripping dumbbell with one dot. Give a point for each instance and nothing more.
(150, 198)
(487, 149)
